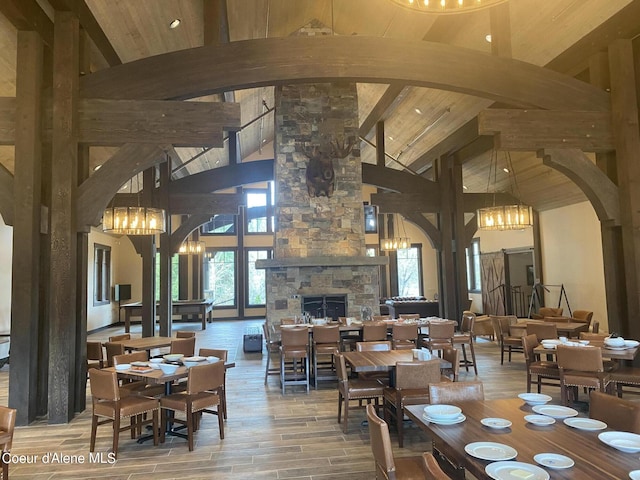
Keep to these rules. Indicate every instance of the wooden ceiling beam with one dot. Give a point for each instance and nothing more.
(27, 15)
(354, 58)
(473, 201)
(6, 195)
(89, 23)
(396, 180)
(225, 177)
(406, 203)
(429, 229)
(388, 103)
(479, 146)
(189, 204)
(531, 130)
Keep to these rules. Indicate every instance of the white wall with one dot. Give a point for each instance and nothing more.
(572, 255)
(6, 249)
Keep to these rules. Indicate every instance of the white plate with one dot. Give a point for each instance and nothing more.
(585, 423)
(623, 441)
(515, 471)
(495, 422)
(551, 341)
(631, 343)
(634, 475)
(123, 366)
(447, 421)
(490, 451)
(553, 460)
(534, 398)
(194, 359)
(555, 411)
(442, 412)
(609, 347)
(540, 420)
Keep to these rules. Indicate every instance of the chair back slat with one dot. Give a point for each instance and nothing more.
(417, 374)
(104, 385)
(209, 376)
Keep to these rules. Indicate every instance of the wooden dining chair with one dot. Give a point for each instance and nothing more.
(617, 413)
(466, 337)
(7, 427)
(354, 389)
(294, 357)
(119, 338)
(272, 344)
(95, 355)
(185, 346)
(113, 349)
(109, 406)
(542, 330)
(136, 387)
(440, 336)
(388, 467)
(432, 468)
(451, 355)
(326, 345)
(404, 336)
(411, 388)
(508, 343)
(580, 367)
(374, 331)
(199, 396)
(583, 316)
(185, 334)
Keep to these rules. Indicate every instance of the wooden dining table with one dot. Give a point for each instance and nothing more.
(593, 459)
(613, 354)
(566, 329)
(146, 343)
(381, 361)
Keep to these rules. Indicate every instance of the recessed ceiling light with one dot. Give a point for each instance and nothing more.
(97, 167)
(390, 137)
(487, 37)
(464, 187)
(418, 111)
(174, 23)
(505, 170)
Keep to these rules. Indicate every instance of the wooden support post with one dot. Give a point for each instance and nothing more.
(148, 247)
(462, 289)
(25, 356)
(165, 308)
(380, 156)
(447, 264)
(624, 108)
(62, 297)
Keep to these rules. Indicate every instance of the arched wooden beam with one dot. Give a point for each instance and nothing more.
(6, 195)
(599, 189)
(278, 61)
(185, 228)
(225, 177)
(95, 193)
(396, 180)
(432, 233)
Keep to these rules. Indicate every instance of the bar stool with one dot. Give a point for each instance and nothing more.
(326, 342)
(465, 337)
(294, 347)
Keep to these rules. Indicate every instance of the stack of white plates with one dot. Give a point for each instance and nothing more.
(534, 398)
(443, 414)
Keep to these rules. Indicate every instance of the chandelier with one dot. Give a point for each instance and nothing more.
(134, 220)
(446, 6)
(504, 217)
(396, 243)
(191, 247)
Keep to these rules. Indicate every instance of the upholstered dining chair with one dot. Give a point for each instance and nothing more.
(294, 356)
(502, 327)
(326, 343)
(7, 426)
(542, 330)
(584, 316)
(547, 312)
(580, 367)
(272, 344)
(381, 346)
(452, 392)
(388, 467)
(95, 356)
(199, 396)
(113, 349)
(110, 406)
(379, 318)
(540, 369)
(593, 336)
(411, 388)
(185, 334)
(409, 316)
(354, 389)
(432, 468)
(617, 413)
(185, 346)
(440, 336)
(374, 331)
(223, 355)
(404, 336)
(119, 338)
(466, 337)
(451, 355)
(136, 387)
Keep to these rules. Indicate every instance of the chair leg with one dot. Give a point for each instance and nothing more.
(163, 424)
(282, 372)
(345, 428)
(266, 372)
(400, 425)
(220, 423)
(155, 427)
(315, 369)
(473, 357)
(308, 379)
(190, 421)
(116, 435)
(501, 354)
(94, 429)
(464, 358)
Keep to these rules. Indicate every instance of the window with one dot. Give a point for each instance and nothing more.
(220, 277)
(259, 210)
(256, 279)
(370, 219)
(473, 266)
(175, 277)
(101, 274)
(409, 265)
(220, 225)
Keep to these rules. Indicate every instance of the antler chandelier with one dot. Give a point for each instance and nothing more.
(446, 6)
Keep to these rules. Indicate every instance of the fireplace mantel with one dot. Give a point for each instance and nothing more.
(321, 262)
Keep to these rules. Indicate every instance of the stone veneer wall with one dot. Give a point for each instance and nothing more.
(309, 115)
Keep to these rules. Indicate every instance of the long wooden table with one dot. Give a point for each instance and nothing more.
(567, 329)
(202, 308)
(593, 459)
(613, 354)
(146, 343)
(380, 361)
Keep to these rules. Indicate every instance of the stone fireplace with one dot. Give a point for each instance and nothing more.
(319, 241)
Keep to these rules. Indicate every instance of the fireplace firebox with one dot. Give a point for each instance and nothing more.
(319, 306)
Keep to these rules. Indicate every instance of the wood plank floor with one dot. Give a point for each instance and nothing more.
(267, 435)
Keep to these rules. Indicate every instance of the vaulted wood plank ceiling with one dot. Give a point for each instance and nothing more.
(416, 122)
